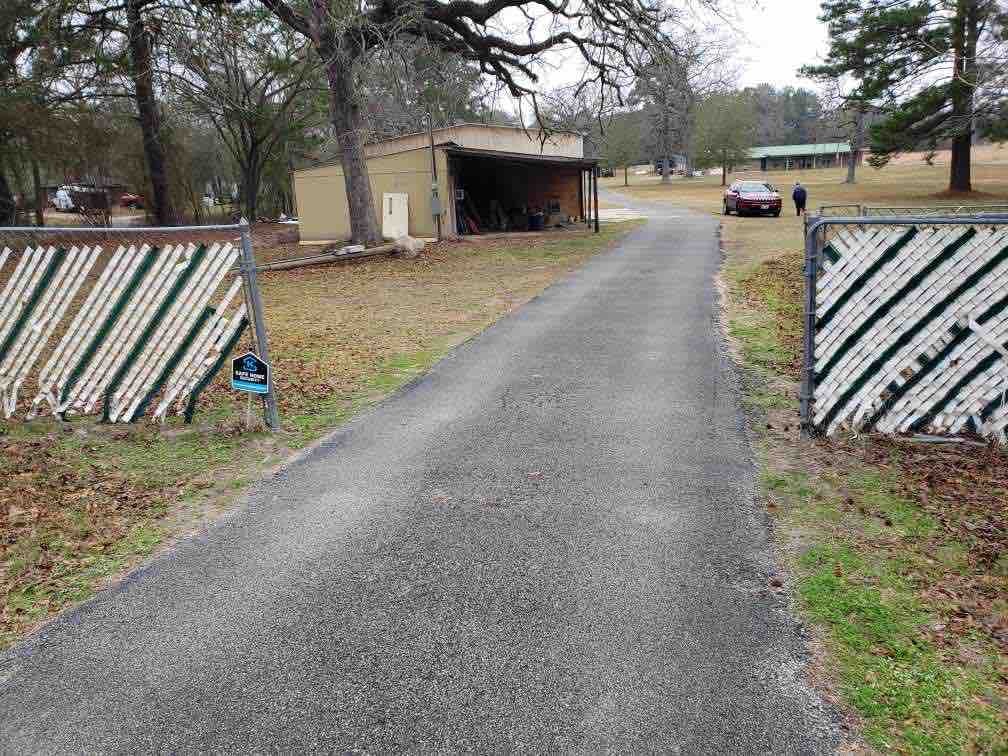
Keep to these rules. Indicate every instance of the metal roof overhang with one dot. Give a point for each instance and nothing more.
(519, 157)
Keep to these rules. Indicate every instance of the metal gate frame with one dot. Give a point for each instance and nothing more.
(247, 269)
(814, 244)
(938, 210)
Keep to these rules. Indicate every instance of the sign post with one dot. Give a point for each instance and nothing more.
(255, 310)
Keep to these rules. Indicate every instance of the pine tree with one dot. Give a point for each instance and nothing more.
(932, 66)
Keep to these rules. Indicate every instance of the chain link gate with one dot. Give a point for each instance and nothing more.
(128, 320)
(940, 210)
(906, 325)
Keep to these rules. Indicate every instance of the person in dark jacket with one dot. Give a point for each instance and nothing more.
(799, 195)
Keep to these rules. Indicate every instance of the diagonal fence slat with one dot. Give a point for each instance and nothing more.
(907, 325)
(909, 350)
(156, 309)
(222, 345)
(130, 331)
(82, 329)
(83, 395)
(907, 292)
(179, 321)
(22, 291)
(203, 353)
(48, 313)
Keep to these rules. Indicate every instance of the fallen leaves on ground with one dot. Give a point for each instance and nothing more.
(958, 561)
(336, 331)
(331, 326)
(56, 518)
(964, 490)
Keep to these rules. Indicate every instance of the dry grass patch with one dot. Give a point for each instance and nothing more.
(334, 328)
(910, 182)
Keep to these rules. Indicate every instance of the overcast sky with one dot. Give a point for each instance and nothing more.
(775, 38)
(781, 36)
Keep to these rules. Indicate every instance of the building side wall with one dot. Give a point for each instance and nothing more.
(321, 194)
(515, 140)
(561, 183)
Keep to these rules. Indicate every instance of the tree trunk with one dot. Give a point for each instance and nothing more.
(346, 118)
(252, 196)
(856, 144)
(290, 205)
(39, 193)
(724, 168)
(143, 80)
(666, 136)
(960, 179)
(964, 38)
(626, 175)
(251, 177)
(7, 205)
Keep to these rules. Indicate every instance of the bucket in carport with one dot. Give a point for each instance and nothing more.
(537, 221)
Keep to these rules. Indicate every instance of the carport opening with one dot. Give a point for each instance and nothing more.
(494, 194)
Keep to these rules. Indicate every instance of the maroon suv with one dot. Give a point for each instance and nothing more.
(744, 197)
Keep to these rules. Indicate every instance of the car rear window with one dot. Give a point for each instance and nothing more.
(752, 186)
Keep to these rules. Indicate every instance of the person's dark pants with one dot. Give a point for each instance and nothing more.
(799, 208)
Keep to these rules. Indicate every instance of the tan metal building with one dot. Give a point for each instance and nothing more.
(489, 178)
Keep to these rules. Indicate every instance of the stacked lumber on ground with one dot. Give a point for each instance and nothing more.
(407, 245)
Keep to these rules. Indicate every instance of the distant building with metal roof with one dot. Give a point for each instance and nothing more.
(800, 156)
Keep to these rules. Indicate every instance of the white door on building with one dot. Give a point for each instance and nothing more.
(395, 215)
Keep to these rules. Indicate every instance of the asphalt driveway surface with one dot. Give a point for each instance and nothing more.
(549, 543)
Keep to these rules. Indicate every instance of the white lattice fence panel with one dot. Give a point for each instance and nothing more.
(122, 332)
(911, 329)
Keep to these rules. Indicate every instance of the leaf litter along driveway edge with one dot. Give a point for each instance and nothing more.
(897, 548)
(81, 503)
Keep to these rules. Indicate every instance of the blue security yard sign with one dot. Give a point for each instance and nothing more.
(249, 373)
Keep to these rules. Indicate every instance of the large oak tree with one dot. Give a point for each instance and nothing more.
(725, 127)
(670, 87)
(505, 39)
